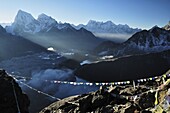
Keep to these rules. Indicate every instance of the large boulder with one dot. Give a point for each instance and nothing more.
(8, 101)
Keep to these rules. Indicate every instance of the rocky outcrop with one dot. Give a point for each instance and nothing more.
(8, 102)
(145, 98)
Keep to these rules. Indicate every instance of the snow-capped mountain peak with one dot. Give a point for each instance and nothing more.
(154, 27)
(24, 23)
(167, 27)
(23, 17)
(109, 23)
(43, 18)
(46, 22)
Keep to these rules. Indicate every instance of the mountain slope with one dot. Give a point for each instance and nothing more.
(13, 46)
(126, 68)
(153, 40)
(105, 47)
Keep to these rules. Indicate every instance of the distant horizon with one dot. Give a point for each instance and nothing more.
(142, 14)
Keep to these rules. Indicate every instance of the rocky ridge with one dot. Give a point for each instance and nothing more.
(15, 46)
(146, 41)
(8, 102)
(147, 97)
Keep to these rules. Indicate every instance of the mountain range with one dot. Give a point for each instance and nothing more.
(47, 32)
(107, 27)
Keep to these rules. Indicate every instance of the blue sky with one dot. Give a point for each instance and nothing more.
(136, 13)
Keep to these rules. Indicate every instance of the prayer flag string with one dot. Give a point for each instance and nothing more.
(21, 78)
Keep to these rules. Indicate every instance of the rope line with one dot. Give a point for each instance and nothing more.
(131, 98)
(121, 96)
(38, 91)
(97, 83)
(16, 99)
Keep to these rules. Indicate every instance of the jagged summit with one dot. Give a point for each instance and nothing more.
(45, 18)
(46, 22)
(153, 28)
(23, 17)
(24, 22)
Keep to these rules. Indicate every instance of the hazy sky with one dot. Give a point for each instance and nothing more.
(136, 13)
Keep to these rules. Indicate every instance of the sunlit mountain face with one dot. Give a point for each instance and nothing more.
(59, 59)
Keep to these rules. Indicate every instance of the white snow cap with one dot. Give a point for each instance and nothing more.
(45, 18)
(24, 17)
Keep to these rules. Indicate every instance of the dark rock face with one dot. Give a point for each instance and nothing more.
(7, 97)
(126, 68)
(117, 99)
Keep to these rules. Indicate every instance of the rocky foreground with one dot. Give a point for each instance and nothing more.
(146, 97)
(8, 101)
